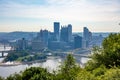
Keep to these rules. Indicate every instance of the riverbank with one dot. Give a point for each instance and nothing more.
(50, 64)
(16, 63)
(10, 63)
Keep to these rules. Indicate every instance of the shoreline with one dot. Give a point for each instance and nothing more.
(16, 63)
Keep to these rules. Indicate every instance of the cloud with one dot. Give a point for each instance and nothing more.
(75, 10)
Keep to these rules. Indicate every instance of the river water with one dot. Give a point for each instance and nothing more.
(51, 64)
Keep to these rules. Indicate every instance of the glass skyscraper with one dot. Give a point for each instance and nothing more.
(56, 30)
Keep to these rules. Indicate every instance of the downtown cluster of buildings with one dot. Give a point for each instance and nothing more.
(61, 39)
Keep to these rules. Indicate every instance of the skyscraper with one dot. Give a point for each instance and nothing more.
(56, 30)
(66, 33)
(43, 36)
(87, 36)
(41, 41)
(86, 33)
(77, 42)
(21, 44)
(69, 32)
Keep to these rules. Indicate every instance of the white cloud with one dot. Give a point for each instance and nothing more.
(65, 10)
(81, 10)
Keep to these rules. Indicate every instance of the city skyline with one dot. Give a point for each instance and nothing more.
(33, 15)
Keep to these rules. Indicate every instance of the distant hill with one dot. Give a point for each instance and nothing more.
(17, 35)
(4, 36)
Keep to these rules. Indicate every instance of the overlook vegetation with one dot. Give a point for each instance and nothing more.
(14, 55)
(24, 56)
(104, 65)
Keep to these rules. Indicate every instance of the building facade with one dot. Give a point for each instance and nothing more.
(56, 30)
(77, 42)
(87, 37)
(66, 33)
(21, 44)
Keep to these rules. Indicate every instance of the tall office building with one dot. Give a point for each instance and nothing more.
(77, 42)
(38, 45)
(87, 37)
(86, 33)
(69, 32)
(66, 33)
(56, 30)
(41, 41)
(43, 36)
(21, 44)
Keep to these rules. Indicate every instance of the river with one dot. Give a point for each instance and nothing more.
(51, 64)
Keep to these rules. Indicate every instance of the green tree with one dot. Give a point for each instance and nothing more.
(85, 75)
(14, 77)
(110, 74)
(1, 78)
(14, 55)
(36, 73)
(108, 55)
(111, 49)
(69, 69)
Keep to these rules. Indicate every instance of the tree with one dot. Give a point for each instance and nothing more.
(111, 48)
(14, 77)
(14, 55)
(36, 73)
(85, 75)
(108, 55)
(1, 78)
(69, 69)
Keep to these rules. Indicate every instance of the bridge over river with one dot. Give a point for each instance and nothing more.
(78, 54)
(4, 50)
(4, 53)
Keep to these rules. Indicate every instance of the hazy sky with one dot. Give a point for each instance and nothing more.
(33, 15)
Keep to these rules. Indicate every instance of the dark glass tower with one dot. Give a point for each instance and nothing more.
(56, 30)
(77, 42)
(87, 37)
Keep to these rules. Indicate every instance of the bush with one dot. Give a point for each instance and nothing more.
(108, 55)
(111, 74)
(36, 73)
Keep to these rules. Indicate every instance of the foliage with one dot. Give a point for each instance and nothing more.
(111, 74)
(1, 78)
(14, 55)
(69, 69)
(37, 56)
(108, 55)
(95, 74)
(85, 75)
(99, 71)
(111, 48)
(24, 56)
(14, 77)
(36, 73)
